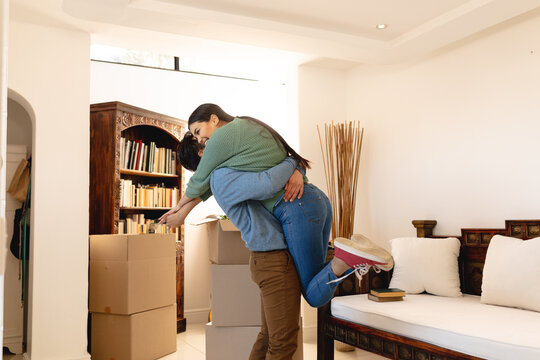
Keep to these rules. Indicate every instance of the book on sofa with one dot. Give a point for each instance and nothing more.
(384, 299)
(391, 292)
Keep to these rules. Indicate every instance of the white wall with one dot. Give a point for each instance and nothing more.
(49, 75)
(453, 138)
(178, 94)
(321, 99)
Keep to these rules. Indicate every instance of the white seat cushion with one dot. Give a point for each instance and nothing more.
(462, 324)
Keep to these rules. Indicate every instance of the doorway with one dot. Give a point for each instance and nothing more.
(16, 277)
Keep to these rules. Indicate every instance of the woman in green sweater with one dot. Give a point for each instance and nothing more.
(247, 144)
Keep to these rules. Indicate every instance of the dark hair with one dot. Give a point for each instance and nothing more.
(188, 152)
(204, 111)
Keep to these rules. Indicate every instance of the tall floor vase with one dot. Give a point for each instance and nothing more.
(341, 146)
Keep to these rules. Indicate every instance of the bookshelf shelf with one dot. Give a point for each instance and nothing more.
(146, 208)
(111, 124)
(146, 173)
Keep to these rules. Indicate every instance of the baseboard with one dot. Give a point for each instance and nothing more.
(310, 333)
(14, 345)
(13, 340)
(197, 316)
(84, 357)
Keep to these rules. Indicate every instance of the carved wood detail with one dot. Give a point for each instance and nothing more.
(127, 120)
(385, 344)
(424, 228)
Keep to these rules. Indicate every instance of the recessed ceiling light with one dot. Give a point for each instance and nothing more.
(381, 26)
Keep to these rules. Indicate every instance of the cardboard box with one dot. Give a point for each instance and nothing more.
(225, 243)
(236, 298)
(131, 273)
(143, 336)
(233, 343)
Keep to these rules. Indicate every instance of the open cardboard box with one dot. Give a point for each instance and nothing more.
(226, 246)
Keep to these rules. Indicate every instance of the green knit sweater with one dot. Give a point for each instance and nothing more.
(239, 145)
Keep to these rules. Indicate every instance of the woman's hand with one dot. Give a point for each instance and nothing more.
(294, 188)
(176, 216)
(163, 218)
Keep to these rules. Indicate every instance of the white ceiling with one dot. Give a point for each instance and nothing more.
(348, 17)
(325, 30)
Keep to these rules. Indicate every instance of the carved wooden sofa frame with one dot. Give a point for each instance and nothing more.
(474, 243)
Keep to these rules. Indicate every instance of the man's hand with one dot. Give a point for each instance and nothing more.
(294, 188)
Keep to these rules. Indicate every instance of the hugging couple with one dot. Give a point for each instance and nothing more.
(259, 182)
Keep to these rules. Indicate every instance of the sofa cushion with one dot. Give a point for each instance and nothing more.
(424, 264)
(512, 272)
(462, 324)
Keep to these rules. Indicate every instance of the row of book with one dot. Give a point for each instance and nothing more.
(136, 155)
(137, 224)
(147, 196)
(386, 295)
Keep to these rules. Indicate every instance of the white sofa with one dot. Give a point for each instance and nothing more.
(497, 317)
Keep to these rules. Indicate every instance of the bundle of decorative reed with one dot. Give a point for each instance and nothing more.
(341, 149)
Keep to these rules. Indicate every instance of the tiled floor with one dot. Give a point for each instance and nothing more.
(191, 346)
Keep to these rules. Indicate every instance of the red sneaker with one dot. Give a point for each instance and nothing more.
(361, 254)
(353, 258)
(359, 250)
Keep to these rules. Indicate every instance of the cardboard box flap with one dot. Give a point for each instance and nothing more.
(206, 220)
(227, 225)
(108, 247)
(131, 247)
(151, 246)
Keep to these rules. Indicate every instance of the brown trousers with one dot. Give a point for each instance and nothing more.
(275, 274)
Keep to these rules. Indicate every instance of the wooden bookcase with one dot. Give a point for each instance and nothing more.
(108, 123)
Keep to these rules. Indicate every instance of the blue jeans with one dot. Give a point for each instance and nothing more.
(306, 225)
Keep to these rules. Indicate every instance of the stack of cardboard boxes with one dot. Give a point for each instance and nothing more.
(236, 303)
(132, 296)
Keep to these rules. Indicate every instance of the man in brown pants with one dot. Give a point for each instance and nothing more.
(275, 274)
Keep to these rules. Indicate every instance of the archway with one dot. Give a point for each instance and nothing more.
(20, 134)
